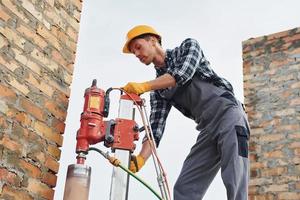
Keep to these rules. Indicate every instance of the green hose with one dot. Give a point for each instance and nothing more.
(107, 156)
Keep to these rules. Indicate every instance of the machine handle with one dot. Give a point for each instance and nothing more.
(109, 138)
(94, 83)
(106, 102)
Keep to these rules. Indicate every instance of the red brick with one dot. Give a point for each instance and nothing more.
(64, 38)
(292, 38)
(23, 118)
(44, 60)
(3, 123)
(70, 67)
(294, 145)
(297, 186)
(7, 94)
(62, 3)
(52, 14)
(11, 112)
(9, 177)
(246, 67)
(291, 127)
(274, 154)
(294, 51)
(31, 108)
(44, 32)
(253, 147)
(285, 112)
(11, 65)
(271, 137)
(58, 125)
(287, 179)
(40, 189)
(297, 151)
(4, 15)
(36, 13)
(49, 179)
(262, 197)
(63, 89)
(46, 132)
(30, 34)
(72, 33)
(25, 60)
(19, 131)
(289, 196)
(55, 110)
(257, 165)
(282, 34)
(70, 20)
(30, 169)
(40, 84)
(78, 4)
(253, 173)
(261, 181)
(50, 3)
(54, 151)
(52, 164)
(253, 189)
(275, 64)
(10, 144)
(295, 102)
(36, 147)
(77, 15)
(278, 171)
(17, 11)
(61, 98)
(13, 37)
(253, 157)
(294, 135)
(38, 157)
(276, 188)
(57, 57)
(8, 192)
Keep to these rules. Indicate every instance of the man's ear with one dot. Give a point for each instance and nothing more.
(153, 40)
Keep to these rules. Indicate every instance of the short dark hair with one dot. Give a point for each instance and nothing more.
(147, 35)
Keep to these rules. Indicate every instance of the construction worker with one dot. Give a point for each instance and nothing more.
(186, 81)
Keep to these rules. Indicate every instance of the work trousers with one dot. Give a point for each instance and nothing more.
(226, 148)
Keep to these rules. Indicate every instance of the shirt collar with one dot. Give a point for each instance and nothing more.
(168, 59)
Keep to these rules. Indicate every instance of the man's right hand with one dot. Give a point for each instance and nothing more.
(137, 88)
(136, 163)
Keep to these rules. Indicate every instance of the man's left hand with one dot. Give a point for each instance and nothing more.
(137, 88)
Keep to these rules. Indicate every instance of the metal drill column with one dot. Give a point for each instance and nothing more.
(120, 179)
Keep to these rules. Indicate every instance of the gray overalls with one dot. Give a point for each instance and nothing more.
(222, 141)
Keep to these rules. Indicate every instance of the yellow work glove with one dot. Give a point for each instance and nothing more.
(136, 163)
(137, 88)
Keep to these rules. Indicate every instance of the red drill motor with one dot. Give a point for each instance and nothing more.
(92, 125)
(117, 134)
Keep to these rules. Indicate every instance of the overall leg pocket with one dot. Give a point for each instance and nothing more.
(243, 137)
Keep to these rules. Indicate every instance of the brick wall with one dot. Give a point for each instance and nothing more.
(38, 44)
(272, 97)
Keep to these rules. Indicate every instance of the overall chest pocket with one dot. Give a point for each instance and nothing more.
(242, 137)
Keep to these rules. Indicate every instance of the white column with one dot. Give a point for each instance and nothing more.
(120, 179)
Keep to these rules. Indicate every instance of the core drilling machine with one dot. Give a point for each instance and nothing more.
(118, 134)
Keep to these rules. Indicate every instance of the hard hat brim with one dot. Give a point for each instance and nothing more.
(125, 48)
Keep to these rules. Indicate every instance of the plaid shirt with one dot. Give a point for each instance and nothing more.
(182, 63)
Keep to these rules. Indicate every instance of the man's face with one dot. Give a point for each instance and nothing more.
(143, 49)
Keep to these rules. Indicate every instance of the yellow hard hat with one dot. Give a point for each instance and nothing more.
(137, 31)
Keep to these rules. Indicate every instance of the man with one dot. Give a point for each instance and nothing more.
(186, 81)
